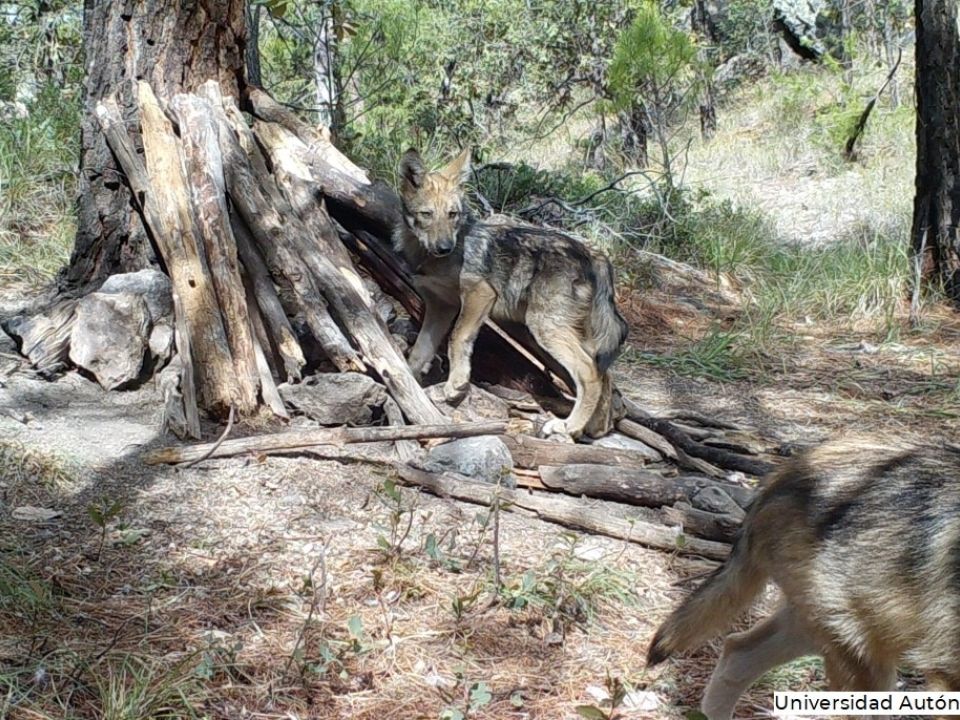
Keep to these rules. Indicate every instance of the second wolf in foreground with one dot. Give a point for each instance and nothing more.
(864, 542)
(466, 270)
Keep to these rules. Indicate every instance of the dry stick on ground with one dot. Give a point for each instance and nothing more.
(163, 229)
(217, 443)
(304, 439)
(531, 452)
(565, 511)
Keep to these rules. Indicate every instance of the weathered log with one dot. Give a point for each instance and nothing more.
(178, 239)
(531, 452)
(204, 166)
(302, 439)
(278, 334)
(687, 445)
(707, 525)
(261, 345)
(271, 223)
(633, 485)
(108, 115)
(343, 290)
(565, 511)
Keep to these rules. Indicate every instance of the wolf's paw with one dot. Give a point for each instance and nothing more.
(556, 430)
(453, 393)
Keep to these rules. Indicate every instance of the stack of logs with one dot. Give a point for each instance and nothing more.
(259, 222)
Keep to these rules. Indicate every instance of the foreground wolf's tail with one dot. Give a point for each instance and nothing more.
(608, 327)
(714, 605)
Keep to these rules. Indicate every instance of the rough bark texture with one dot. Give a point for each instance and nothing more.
(936, 211)
(173, 46)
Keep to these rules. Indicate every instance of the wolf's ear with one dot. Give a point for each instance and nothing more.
(459, 168)
(412, 169)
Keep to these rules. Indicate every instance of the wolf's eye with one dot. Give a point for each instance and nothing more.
(425, 214)
(454, 214)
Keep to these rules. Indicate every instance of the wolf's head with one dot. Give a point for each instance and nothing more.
(433, 206)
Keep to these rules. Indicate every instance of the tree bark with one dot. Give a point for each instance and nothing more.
(936, 209)
(174, 47)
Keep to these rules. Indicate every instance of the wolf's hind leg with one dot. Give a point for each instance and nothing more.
(477, 298)
(748, 655)
(563, 342)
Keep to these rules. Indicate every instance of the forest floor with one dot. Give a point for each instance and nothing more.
(299, 588)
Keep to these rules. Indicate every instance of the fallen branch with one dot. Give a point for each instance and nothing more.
(692, 449)
(564, 511)
(304, 439)
(850, 150)
(531, 452)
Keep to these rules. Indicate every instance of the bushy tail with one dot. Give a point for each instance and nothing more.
(714, 605)
(608, 327)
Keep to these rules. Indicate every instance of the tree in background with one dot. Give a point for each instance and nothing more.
(654, 71)
(173, 46)
(936, 211)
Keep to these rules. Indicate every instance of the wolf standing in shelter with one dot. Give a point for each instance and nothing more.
(466, 270)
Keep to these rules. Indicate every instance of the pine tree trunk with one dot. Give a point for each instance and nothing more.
(174, 46)
(936, 212)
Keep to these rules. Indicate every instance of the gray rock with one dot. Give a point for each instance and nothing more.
(44, 337)
(622, 442)
(807, 27)
(737, 70)
(153, 285)
(7, 344)
(336, 398)
(484, 458)
(479, 404)
(161, 343)
(109, 337)
(713, 499)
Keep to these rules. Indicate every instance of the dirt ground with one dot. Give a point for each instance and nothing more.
(290, 587)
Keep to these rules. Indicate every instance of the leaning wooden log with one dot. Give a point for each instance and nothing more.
(635, 486)
(302, 439)
(204, 167)
(271, 223)
(164, 229)
(340, 287)
(565, 511)
(184, 256)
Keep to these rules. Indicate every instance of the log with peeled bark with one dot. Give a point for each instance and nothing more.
(305, 439)
(531, 452)
(634, 485)
(569, 512)
(204, 165)
(180, 244)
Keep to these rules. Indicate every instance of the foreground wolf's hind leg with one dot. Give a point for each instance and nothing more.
(747, 656)
(477, 298)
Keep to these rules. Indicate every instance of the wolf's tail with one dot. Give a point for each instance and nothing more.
(714, 605)
(607, 325)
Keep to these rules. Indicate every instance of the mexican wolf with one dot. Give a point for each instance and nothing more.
(864, 542)
(466, 270)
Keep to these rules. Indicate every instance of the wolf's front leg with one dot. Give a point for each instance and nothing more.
(476, 300)
(437, 318)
